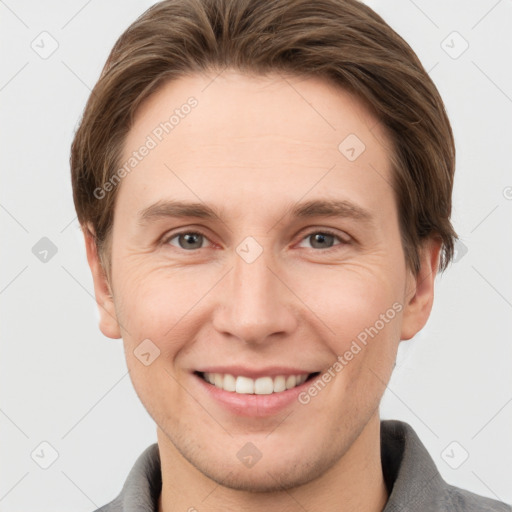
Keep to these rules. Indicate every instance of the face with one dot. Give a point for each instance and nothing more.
(255, 245)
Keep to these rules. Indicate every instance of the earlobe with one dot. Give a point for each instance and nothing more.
(419, 293)
(109, 325)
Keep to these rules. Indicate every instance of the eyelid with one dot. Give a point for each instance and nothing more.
(311, 231)
(173, 234)
(327, 231)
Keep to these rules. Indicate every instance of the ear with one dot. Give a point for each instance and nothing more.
(419, 292)
(109, 325)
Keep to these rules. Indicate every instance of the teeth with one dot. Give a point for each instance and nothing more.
(229, 383)
(291, 380)
(264, 386)
(218, 380)
(279, 384)
(244, 385)
(259, 386)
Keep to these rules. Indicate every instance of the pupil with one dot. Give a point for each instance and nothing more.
(191, 239)
(321, 238)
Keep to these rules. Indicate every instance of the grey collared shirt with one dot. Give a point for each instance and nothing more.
(412, 479)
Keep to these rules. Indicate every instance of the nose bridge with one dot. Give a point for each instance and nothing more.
(256, 304)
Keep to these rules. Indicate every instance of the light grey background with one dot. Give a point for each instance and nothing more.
(65, 384)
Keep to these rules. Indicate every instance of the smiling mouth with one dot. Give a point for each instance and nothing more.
(260, 386)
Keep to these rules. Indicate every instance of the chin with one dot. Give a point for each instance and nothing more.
(269, 477)
(276, 470)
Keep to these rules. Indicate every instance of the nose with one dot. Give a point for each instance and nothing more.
(255, 305)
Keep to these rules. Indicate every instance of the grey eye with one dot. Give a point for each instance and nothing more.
(324, 239)
(188, 240)
(321, 240)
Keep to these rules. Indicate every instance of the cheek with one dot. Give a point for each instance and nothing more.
(164, 304)
(342, 300)
(350, 298)
(149, 303)
(360, 308)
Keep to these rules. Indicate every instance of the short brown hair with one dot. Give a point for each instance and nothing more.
(342, 40)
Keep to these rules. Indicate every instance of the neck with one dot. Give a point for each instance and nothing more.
(353, 483)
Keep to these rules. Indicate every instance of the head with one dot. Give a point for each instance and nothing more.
(319, 160)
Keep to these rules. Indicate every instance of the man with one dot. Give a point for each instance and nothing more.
(265, 194)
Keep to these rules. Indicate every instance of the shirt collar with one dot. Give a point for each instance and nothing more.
(411, 476)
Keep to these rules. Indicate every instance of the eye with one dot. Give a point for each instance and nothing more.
(190, 240)
(324, 239)
(186, 240)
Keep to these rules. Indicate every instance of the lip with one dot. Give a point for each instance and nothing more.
(252, 405)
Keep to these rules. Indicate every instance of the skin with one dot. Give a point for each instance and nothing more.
(299, 304)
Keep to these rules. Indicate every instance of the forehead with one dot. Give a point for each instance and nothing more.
(256, 134)
(248, 104)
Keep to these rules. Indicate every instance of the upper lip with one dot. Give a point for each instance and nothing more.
(254, 373)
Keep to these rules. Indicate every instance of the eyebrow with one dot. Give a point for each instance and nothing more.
(332, 208)
(314, 208)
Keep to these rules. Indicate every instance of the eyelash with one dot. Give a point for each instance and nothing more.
(167, 239)
(326, 232)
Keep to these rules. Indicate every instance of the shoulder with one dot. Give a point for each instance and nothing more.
(142, 487)
(114, 506)
(414, 481)
(460, 500)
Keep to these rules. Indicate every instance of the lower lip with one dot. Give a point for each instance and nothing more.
(253, 405)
